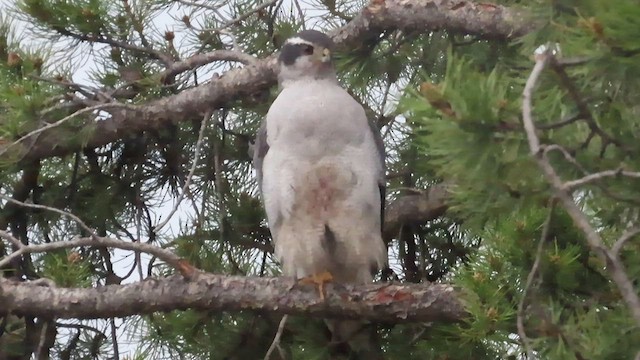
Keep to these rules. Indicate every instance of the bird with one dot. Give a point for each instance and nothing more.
(320, 168)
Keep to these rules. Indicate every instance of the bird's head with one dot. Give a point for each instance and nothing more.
(306, 55)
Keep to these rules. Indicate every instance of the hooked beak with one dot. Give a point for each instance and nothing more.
(326, 55)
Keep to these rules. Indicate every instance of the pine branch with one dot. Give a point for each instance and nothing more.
(481, 19)
(378, 302)
(614, 266)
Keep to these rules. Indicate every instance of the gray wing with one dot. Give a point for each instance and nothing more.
(260, 149)
(382, 180)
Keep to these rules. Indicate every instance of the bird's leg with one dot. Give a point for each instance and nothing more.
(319, 280)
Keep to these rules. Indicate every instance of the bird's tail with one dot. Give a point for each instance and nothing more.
(353, 339)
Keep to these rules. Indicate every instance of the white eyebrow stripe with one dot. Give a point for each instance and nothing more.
(298, 41)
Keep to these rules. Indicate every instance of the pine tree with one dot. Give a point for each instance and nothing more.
(126, 126)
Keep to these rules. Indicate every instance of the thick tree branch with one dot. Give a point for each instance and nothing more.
(417, 208)
(482, 19)
(378, 302)
(407, 209)
(233, 85)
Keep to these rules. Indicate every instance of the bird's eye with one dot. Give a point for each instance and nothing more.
(307, 50)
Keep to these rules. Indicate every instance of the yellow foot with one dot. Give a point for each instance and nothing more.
(319, 280)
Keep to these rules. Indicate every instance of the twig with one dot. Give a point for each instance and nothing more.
(300, 13)
(215, 9)
(583, 107)
(569, 185)
(155, 54)
(114, 338)
(62, 121)
(569, 120)
(78, 326)
(548, 148)
(418, 335)
(573, 161)
(104, 242)
(204, 6)
(137, 26)
(196, 155)
(207, 58)
(574, 61)
(218, 175)
(17, 243)
(614, 266)
(276, 339)
(58, 105)
(86, 90)
(532, 274)
(628, 235)
(566, 154)
(244, 16)
(43, 339)
(235, 46)
(79, 221)
(529, 127)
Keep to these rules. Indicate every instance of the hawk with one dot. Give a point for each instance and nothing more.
(320, 167)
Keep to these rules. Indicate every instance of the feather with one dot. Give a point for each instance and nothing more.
(320, 168)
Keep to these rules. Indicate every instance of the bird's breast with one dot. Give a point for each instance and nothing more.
(315, 119)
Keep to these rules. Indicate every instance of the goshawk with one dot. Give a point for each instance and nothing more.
(320, 167)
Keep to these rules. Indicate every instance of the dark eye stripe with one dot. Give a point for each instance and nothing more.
(307, 49)
(290, 52)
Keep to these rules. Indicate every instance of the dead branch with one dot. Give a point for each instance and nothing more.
(526, 342)
(569, 185)
(73, 217)
(614, 265)
(155, 54)
(163, 254)
(192, 170)
(378, 302)
(583, 107)
(626, 236)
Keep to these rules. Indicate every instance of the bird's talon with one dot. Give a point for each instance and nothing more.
(319, 280)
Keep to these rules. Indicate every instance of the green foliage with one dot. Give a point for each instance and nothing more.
(468, 127)
(460, 102)
(66, 269)
(569, 303)
(86, 16)
(469, 133)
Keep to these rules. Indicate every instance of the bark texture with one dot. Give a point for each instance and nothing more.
(466, 17)
(415, 209)
(378, 302)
